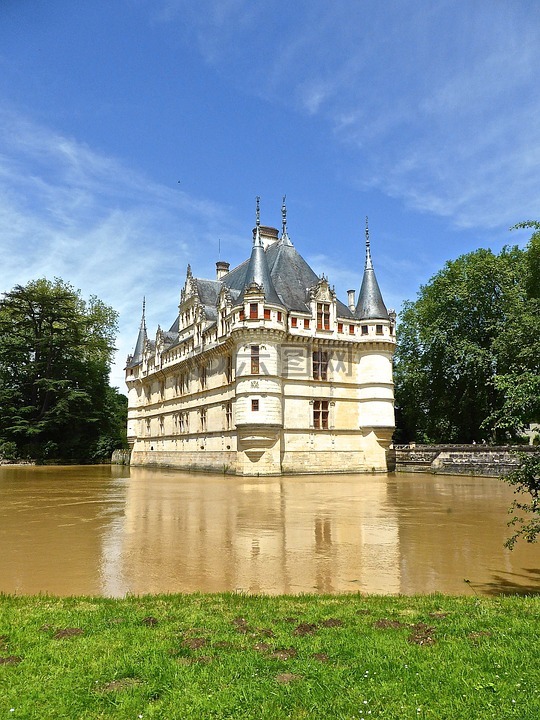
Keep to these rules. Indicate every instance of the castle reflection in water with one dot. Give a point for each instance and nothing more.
(326, 534)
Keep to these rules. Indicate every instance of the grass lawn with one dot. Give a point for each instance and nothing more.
(238, 656)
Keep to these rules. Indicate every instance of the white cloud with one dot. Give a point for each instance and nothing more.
(69, 212)
(442, 100)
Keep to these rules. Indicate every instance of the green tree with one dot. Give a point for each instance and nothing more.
(518, 378)
(526, 513)
(469, 347)
(55, 355)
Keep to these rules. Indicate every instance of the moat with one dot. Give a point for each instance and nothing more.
(113, 530)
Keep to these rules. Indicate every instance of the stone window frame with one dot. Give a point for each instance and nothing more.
(320, 362)
(323, 316)
(321, 414)
(255, 360)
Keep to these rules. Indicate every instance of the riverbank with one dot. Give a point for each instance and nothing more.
(237, 656)
(481, 460)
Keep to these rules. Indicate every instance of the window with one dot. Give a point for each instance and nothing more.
(320, 365)
(266, 314)
(228, 368)
(340, 327)
(294, 322)
(253, 311)
(242, 314)
(255, 364)
(228, 415)
(161, 426)
(364, 329)
(378, 329)
(202, 413)
(203, 376)
(279, 316)
(323, 316)
(254, 406)
(320, 414)
(351, 329)
(306, 324)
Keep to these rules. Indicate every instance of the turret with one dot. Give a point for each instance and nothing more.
(257, 272)
(370, 305)
(376, 387)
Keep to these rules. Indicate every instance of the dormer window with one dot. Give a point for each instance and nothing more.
(253, 311)
(323, 316)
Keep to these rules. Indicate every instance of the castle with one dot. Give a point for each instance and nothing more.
(265, 372)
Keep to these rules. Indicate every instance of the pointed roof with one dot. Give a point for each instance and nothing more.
(137, 356)
(257, 270)
(370, 305)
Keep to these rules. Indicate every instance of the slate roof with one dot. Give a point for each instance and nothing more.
(136, 358)
(286, 279)
(370, 305)
(258, 272)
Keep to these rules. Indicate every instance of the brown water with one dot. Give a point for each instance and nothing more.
(114, 530)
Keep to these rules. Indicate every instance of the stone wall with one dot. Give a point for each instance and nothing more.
(486, 460)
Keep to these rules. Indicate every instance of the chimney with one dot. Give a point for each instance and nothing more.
(352, 304)
(268, 235)
(222, 268)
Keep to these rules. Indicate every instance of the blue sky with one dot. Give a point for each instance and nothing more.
(135, 135)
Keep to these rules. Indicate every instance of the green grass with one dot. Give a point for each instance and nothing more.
(237, 656)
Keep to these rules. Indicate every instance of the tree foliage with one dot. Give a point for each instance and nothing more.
(55, 356)
(468, 357)
(526, 512)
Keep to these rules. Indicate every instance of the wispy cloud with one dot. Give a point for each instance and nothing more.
(67, 211)
(440, 101)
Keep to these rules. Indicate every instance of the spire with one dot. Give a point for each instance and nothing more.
(284, 237)
(257, 238)
(370, 305)
(369, 262)
(141, 338)
(257, 270)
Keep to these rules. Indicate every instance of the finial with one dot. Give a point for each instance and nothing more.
(143, 316)
(257, 238)
(369, 263)
(284, 236)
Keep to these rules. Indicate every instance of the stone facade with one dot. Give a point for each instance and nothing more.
(266, 372)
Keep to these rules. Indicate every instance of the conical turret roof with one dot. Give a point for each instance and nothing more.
(257, 270)
(141, 341)
(370, 305)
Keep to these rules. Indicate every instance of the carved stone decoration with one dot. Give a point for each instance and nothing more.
(321, 292)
